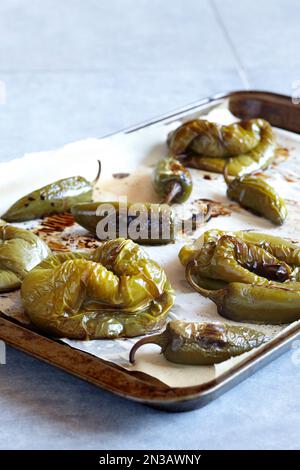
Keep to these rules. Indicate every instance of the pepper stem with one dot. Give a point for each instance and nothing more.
(98, 173)
(215, 295)
(173, 189)
(160, 339)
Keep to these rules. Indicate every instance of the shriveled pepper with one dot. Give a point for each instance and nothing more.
(246, 274)
(214, 140)
(204, 248)
(20, 251)
(172, 181)
(258, 196)
(148, 224)
(232, 259)
(272, 304)
(54, 198)
(202, 343)
(250, 145)
(113, 292)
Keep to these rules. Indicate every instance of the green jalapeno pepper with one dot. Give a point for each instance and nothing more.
(258, 196)
(234, 260)
(172, 181)
(20, 251)
(246, 274)
(213, 140)
(202, 343)
(203, 248)
(144, 223)
(250, 145)
(54, 198)
(272, 304)
(114, 291)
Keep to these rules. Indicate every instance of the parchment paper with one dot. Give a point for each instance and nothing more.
(127, 165)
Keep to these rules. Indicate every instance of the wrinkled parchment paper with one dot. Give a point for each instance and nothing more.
(127, 165)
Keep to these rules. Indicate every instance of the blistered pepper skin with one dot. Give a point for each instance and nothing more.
(213, 140)
(172, 181)
(272, 304)
(202, 343)
(232, 259)
(250, 276)
(281, 248)
(54, 198)
(20, 251)
(116, 291)
(250, 145)
(259, 197)
(156, 229)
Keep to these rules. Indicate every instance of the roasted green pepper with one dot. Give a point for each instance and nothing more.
(151, 224)
(204, 248)
(232, 259)
(147, 224)
(250, 145)
(255, 194)
(172, 181)
(202, 343)
(20, 251)
(272, 304)
(245, 274)
(113, 292)
(52, 199)
(213, 140)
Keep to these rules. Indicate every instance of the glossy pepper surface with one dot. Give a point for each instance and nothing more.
(144, 223)
(114, 292)
(54, 198)
(272, 304)
(172, 181)
(149, 224)
(20, 251)
(202, 343)
(250, 145)
(258, 196)
(250, 276)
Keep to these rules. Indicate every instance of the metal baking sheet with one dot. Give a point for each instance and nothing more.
(203, 383)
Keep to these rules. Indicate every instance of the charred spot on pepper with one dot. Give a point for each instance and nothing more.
(273, 272)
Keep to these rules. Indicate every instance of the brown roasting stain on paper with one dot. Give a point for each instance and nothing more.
(217, 208)
(61, 233)
(120, 176)
(282, 152)
(56, 223)
(281, 155)
(259, 174)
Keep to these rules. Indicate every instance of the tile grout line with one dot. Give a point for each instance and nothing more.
(241, 68)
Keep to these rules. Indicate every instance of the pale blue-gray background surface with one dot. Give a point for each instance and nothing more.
(75, 69)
